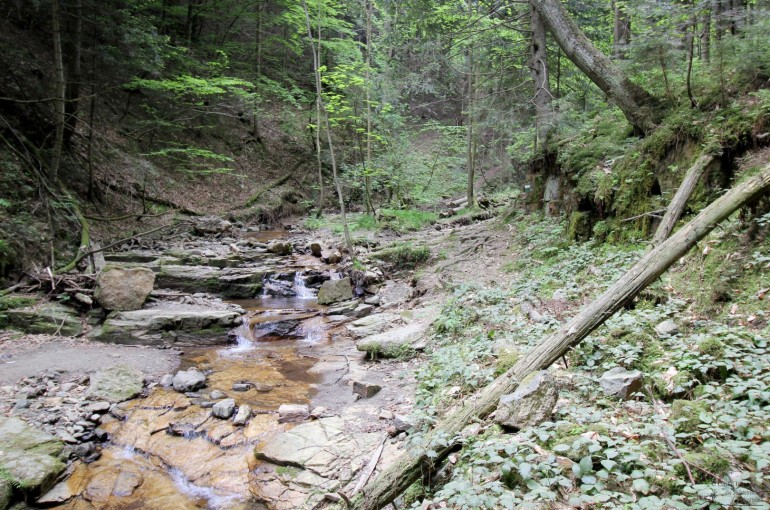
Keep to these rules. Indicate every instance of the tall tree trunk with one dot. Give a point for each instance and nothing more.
(414, 462)
(367, 85)
(640, 108)
(470, 159)
(60, 95)
(316, 50)
(538, 66)
(621, 32)
(705, 37)
(74, 74)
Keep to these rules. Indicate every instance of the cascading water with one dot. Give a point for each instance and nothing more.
(300, 289)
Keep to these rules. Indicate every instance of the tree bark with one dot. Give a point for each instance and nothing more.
(640, 108)
(621, 33)
(414, 462)
(682, 195)
(60, 98)
(538, 66)
(74, 73)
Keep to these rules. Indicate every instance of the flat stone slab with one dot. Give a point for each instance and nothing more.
(321, 446)
(182, 324)
(373, 324)
(116, 384)
(393, 343)
(245, 282)
(46, 319)
(30, 457)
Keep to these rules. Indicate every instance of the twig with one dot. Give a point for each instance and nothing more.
(138, 216)
(651, 213)
(668, 441)
(370, 467)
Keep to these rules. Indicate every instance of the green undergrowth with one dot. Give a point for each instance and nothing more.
(695, 436)
(403, 255)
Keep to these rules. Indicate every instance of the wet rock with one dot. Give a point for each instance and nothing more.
(189, 380)
(242, 416)
(167, 380)
(279, 326)
(245, 282)
(83, 450)
(224, 409)
(290, 413)
(316, 249)
(217, 394)
(531, 404)
(365, 389)
(279, 247)
(335, 291)
(263, 388)
(621, 383)
(29, 457)
(396, 342)
(667, 328)
(116, 384)
(242, 387)
(124, 288)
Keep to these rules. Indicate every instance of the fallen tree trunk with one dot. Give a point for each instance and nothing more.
(682, 195)
(444, 437)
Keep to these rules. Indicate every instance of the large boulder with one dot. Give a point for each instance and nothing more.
(279, 247)
(531, 404)
(189, 380)
(124, 288)
(621, 383)
(212, 225)
(30, 458)
(116, 384)
(334, 291)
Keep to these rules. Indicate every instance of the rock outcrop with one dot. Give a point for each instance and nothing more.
(124, 288)
(334, 291)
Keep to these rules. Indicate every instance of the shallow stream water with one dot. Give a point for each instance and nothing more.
(170, 453)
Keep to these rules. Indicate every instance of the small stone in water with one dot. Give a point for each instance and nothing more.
(293, 413)
(224, 409)
(217, 394)
(263, 388)
(243, 415)
(242, 386)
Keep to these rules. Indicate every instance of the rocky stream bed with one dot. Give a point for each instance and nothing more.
(229, 387)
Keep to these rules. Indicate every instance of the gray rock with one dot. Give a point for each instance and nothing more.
(116, 384)
(395, 342)
(346, 308)
(289, 413)
(189, 380)
(182, 324)
(242, 416)
(242, 387)
(403, 423)
(667, 328)
(560, 295)
(124, 288)
(263, 387)
(331, 257)
(363, 310)
(531, 404)
(167, 380)
(365, 389)
(315, 249)
(334, 291)
(279, 247)
(45, 319)
(30, 457)
(373, 300)
(621, 383)
(224, 409)
(6, 490)
(212, 225)
(394, 294)
(98, 407)
(217, 394)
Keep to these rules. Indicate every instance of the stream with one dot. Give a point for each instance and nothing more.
(170, 452)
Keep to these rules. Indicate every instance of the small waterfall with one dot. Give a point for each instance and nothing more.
(243, 339)
(300, 289)
(314, 330)
(214, 499)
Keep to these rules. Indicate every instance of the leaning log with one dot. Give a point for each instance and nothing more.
(410, 466)
(676, 206)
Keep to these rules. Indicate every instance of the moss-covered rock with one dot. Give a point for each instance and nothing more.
(712, 347)
(709, 460)
(579, 228)
(685, 415)
(30, 457)
(116, 384)
(45, 319)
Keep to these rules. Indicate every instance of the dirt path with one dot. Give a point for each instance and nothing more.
(27, 356)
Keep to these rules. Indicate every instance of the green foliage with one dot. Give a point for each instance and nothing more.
(406, 220)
